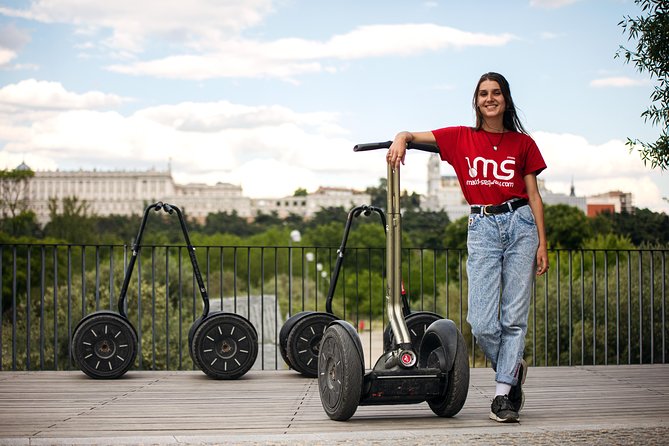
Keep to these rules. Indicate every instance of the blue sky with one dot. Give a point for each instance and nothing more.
(273, 94)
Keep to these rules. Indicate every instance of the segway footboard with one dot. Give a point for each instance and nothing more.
(402, 387)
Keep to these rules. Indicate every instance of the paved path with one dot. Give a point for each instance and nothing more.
(565, 405)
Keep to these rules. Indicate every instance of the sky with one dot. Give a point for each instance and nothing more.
(272, 95)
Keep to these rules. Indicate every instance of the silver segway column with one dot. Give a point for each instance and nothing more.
(403, 354)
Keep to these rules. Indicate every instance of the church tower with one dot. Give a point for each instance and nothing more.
(433, 175)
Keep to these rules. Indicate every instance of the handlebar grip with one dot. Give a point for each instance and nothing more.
(372, 146)
(384, 145)
(168, 208)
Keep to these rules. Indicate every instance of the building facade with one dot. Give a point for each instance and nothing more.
(308, 205)
(443, 192)
(129, 192)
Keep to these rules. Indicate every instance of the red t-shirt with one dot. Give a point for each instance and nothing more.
(489, 176)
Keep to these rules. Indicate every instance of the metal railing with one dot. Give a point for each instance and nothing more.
(595, 306)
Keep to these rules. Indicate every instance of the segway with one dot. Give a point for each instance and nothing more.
(435, 371)
(222, 345)
(300, 335)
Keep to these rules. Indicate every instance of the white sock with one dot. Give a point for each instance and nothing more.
(502, 389)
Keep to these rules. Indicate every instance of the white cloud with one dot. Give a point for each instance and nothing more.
(132, 22)
(598, 168)
(619, 81)
(266, 149)
(36, 94)
(204, 38)
(12, 40)
(288, 57)
(6, 56)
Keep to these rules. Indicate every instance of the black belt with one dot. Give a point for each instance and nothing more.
(490, 209)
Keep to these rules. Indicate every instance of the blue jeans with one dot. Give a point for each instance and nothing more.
(500, 267)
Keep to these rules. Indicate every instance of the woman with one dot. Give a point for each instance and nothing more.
(497, 164)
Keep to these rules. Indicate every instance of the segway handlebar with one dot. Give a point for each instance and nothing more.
(386, 145)
(169, 209)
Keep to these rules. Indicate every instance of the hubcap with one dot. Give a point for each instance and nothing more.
(105, 348)
(227, 348)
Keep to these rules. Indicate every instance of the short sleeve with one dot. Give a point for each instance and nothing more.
(534, 162)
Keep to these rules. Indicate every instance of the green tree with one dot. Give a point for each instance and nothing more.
(263, 221)
(426, 229)
(378, 193)
(410, 201)
(70, 221)
(225, 223)
(16, 219)
(566, 226)
(300, 192)
(328, 215)
(294, 221)
(651, 32)
(116, 228)
(13, 191)
(327, 234)
(643, 226)
(455, 236)
(601, 224)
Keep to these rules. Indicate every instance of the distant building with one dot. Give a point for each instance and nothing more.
(613, 202)
(444, 193)
(307, 206)
(128, 192)
(552, 198)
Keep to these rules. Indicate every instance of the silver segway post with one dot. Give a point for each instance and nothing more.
(404, 355)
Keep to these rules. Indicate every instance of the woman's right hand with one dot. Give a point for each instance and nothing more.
(398, 149)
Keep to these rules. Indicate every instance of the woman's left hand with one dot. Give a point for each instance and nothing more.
(542, 260)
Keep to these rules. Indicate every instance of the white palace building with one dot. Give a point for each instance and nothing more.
(129, 192)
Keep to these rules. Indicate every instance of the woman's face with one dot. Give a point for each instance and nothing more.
(490, 100)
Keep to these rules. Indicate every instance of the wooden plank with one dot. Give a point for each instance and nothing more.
(166, 405)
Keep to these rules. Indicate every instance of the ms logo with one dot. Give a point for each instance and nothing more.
(501, 171)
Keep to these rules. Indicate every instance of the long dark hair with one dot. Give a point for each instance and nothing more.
(510, 120)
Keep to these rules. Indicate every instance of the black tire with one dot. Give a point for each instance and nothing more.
(225, 346)
(104, 345)
(417, 323)
(191, 332)
(285, 331)
(455, 392)
(340, 374)
(304, 340)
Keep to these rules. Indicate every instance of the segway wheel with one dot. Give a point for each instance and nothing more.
(191, 333)
(224, 346)
(104, 345)
(340, 374)
(417, 323)
(304, 341)
(455, 392)
(285, 331)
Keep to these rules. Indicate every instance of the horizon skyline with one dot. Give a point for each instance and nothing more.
(321, 186)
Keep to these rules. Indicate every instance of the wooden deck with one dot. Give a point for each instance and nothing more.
(281, 407)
